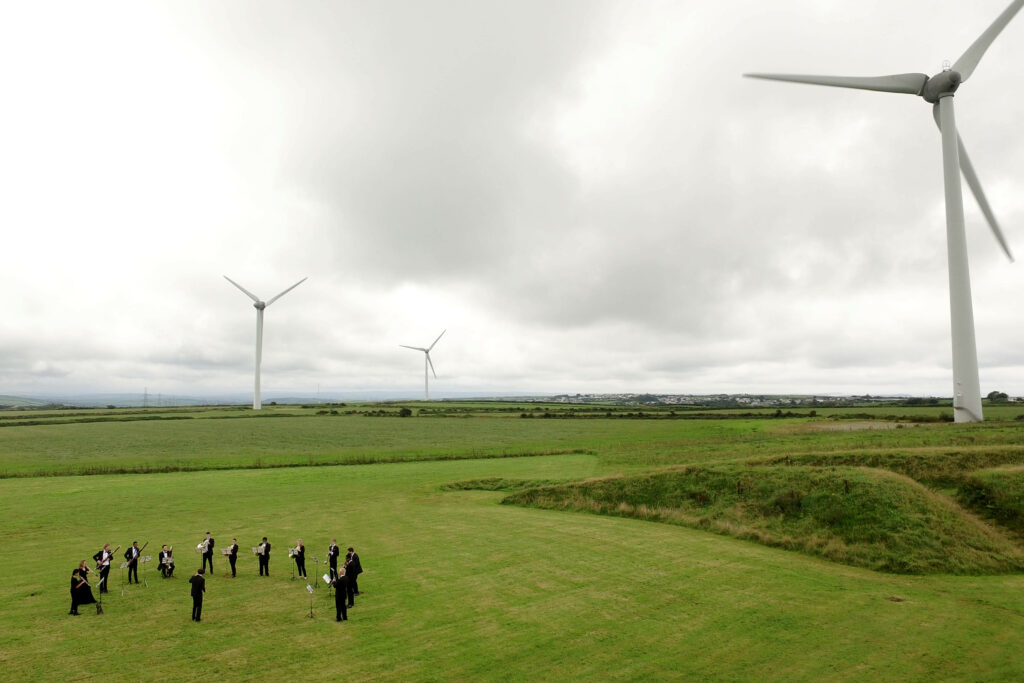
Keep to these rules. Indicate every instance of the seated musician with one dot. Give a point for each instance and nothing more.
(166, 562)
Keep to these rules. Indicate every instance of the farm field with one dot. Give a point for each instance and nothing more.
(459, 586)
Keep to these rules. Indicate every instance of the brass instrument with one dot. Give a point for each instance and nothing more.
(261, 549)
(201, 548)
(100, 563)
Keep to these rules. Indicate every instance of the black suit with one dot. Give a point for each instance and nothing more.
(166, 569)
(132, 555)
(198, 588)
(265, 560)
(353, 569)
(233, 556)
(340, 595)
(208, 555)
(103, 558)
(300, 560)
(332, 558)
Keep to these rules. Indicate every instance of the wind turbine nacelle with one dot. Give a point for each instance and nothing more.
(259, 305)
(941, 85)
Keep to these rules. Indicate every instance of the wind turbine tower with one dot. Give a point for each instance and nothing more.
(426, 364)
(260, 306)
(938, 90)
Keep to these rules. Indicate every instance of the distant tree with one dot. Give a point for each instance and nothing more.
(997, 397)
(404, 412)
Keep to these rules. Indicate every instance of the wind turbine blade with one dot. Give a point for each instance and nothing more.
(246, 291)
(911, 84)
(414, 348)
(287, 290)
(969, 60)
(437, 340)
(967, 168)
(431, 364)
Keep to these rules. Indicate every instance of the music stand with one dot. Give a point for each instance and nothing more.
(330, 586)
(123, 565)
(310, 589)
(316, 560)
(143, 560)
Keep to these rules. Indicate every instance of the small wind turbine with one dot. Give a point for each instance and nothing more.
(426, 363)
(938, 90)
(259, 305)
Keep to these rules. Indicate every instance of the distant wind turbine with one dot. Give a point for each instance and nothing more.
(426, 363)
(938, 90)
(259, 305)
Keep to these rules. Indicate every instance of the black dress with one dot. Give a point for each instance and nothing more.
(80, 595)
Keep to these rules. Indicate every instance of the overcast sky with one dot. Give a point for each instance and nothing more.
(586, 195)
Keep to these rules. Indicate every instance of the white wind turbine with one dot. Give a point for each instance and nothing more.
(259, 305)
(938, 90)
(426, 363)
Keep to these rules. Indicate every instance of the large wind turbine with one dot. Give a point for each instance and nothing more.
(426, 363)
(938, 90)
(259, 305)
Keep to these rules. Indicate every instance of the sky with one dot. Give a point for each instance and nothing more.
(586, 195)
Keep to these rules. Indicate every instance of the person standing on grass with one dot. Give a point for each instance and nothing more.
(332, 557)
(103, 563)
(340, 584)
(132, 557)
(233, 555)
(300, 558)
(198, 588)
(208, 551)
(353, 568)
(81, 591)
(264, 557)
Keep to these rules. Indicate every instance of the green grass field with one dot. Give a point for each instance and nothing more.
(458, 586)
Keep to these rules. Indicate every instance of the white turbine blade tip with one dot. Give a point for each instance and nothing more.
(437, 340)
(244, 290)
(969, 60)
(287, 290)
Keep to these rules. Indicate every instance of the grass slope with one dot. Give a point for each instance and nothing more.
(998, 493)
(863, 517)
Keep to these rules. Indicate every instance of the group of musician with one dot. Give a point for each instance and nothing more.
(344, 580)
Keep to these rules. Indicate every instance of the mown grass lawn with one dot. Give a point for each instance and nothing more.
(458, 587)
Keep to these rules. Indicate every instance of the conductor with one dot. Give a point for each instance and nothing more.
(198, 588)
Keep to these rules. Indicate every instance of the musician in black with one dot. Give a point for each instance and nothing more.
(353, 569)
(233, 555)
(103, 564)
(81, 592)
(198, 588)
(264, 558)
(208, 553)
(300, 558)
(166, 562)
(132, 556)
(340, 583)
(332, 557)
